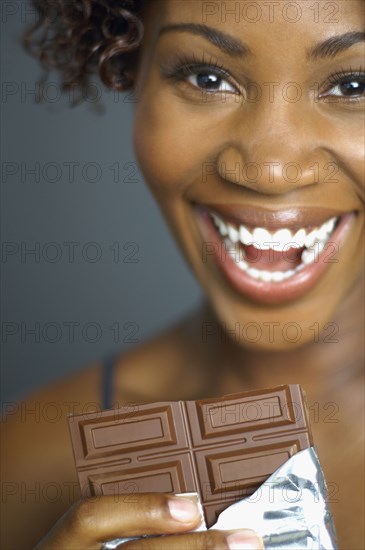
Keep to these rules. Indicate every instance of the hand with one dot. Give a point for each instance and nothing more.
(91, 522)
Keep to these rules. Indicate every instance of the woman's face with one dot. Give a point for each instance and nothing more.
(249, 130)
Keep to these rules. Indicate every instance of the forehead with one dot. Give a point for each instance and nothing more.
(263, 25)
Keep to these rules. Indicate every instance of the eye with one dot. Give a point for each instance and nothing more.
(209, 81)
(349, 89)
(205, 75)
(347, 86)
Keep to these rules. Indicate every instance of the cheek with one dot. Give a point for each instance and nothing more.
(171, 143)
(161, 143)
(348, 143)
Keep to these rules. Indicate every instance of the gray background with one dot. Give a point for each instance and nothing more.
(80, 306)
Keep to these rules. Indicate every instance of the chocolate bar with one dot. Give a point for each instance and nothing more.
(221, 448)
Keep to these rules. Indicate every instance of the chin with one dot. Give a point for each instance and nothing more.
(309, 322)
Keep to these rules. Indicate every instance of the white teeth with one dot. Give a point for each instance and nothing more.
(220, 224)
(255, 273)
(245, 235)
(330, 225)
(234, 251)
(321, 233)
(216, 218)
(223, 229)
(266, 276)
(310, 239)
(281, 240)
(261, 238)
(232, 233)
(243, 265)
(282, 237)
(277, 276)
(299, 238)
(289, 273)
(309, 256)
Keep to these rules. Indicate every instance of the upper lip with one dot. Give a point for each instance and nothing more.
(291, 218)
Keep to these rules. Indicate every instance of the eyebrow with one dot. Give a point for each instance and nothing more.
(335, 45)
(225, 42)
(236, 48)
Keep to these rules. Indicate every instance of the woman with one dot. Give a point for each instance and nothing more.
(249, 130)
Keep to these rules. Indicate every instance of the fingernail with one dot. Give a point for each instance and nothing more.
(244, 540)
(182, 509)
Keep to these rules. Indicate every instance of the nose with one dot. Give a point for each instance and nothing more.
(275, 148)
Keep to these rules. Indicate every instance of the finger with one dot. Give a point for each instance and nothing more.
(91, 522)
(243, 539)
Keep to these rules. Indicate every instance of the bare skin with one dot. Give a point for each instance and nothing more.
(332, 413)
(328, 365)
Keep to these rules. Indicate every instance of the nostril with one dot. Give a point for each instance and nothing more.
(274, 177)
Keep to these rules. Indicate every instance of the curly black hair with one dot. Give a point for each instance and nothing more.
(79, 38)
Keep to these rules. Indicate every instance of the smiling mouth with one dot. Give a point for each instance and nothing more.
(273, 256)
(280, 259)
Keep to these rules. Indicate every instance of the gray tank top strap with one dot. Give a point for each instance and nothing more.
(108, 367)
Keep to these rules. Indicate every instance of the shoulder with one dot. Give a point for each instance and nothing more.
(36, 427)
(47, 409)
(38, 472)
(51, 405)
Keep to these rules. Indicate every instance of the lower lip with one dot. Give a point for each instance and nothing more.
(284, 291)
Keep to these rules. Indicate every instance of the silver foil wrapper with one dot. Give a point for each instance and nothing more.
(289, 510)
